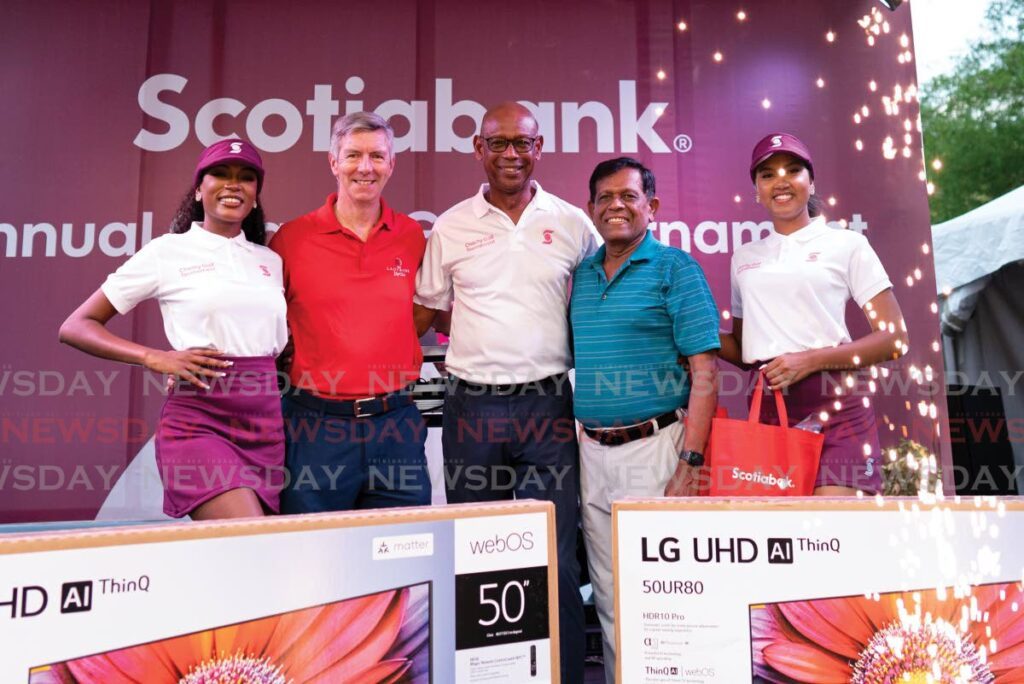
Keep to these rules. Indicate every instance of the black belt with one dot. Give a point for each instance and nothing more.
(619, 436)
(353, 408)
(555, 382)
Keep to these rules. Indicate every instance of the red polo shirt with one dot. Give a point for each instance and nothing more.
(350, 302)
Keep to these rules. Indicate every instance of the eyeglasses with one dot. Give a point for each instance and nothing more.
(521, 145)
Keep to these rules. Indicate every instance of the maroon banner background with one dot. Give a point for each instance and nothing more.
(107, 103)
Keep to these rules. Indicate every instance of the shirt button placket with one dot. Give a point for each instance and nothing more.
(233, 266)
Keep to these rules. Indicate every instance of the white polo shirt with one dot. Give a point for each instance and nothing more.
(213, 291)
(791, 290)
(509, 282)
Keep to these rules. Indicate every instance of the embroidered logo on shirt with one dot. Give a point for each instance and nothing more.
(265, 270)
(477, 244)
(813, 256)
(747, 267)
(398, 270)
(186, 271)
(547, 236)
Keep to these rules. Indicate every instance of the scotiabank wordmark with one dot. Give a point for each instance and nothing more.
(560, 122)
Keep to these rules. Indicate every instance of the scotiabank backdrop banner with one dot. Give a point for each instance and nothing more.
(107, 105)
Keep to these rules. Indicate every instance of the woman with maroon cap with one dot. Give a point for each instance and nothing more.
(789, 296)
(220, 440)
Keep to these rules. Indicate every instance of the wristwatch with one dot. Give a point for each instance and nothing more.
(692, 458)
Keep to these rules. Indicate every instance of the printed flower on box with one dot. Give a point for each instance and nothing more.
(912, 637)
(381, 638)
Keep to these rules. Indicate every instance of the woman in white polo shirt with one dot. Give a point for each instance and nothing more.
(220, 439)
(789, 297)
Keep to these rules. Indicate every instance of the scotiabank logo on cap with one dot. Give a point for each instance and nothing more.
(776, 141)
(236, 148)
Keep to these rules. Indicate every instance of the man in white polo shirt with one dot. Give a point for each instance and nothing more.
(501, 261)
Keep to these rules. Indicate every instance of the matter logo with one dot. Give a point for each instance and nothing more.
(403, 546)
(236, 148)
(547, 236)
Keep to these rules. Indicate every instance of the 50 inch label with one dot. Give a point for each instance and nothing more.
(501, 607)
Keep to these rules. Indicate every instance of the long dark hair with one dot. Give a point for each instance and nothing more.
(815, 207)
(254, 226)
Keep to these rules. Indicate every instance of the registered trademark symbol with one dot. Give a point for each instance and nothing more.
(682, 143)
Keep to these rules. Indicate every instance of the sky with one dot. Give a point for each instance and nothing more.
(943, 29)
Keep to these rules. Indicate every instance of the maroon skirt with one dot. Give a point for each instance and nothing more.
(231, 436)
(851, 455)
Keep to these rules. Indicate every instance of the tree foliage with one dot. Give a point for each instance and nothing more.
(973, 118)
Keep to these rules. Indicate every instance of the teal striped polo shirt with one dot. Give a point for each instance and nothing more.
(628, 333)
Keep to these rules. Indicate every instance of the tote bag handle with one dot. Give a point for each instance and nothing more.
(755, 402)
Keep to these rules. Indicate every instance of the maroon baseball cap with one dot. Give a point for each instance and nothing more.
(774, 143)
(230, 151)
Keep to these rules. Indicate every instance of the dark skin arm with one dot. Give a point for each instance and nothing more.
(880, 345)
(85, 329)
(287, 355)
(426, 318)
(732, 344)
(701, 409)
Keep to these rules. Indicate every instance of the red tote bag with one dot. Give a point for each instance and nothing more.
(751, 458)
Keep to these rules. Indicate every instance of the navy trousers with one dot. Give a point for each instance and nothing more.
(523, 445)
(337, 463)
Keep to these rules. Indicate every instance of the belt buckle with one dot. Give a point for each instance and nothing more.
(613, 438)
(357, 409)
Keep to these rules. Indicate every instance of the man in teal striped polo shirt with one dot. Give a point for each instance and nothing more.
(638, 309)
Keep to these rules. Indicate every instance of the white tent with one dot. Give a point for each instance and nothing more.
(979, 270)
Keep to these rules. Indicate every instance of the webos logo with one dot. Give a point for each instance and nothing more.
(509, 543)
(32, 600)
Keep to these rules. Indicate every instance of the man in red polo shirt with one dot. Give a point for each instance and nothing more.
(354, 437)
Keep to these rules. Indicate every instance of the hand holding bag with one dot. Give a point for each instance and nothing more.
(751, 458)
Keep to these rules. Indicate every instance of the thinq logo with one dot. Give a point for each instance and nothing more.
(762, 478)
(157, 95)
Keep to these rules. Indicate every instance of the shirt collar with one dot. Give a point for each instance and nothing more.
(330, 224)
(816, 227)
(541, 200)
(645, 251)
(212, 241)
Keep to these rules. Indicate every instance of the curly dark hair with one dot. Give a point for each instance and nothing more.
(254, 226)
